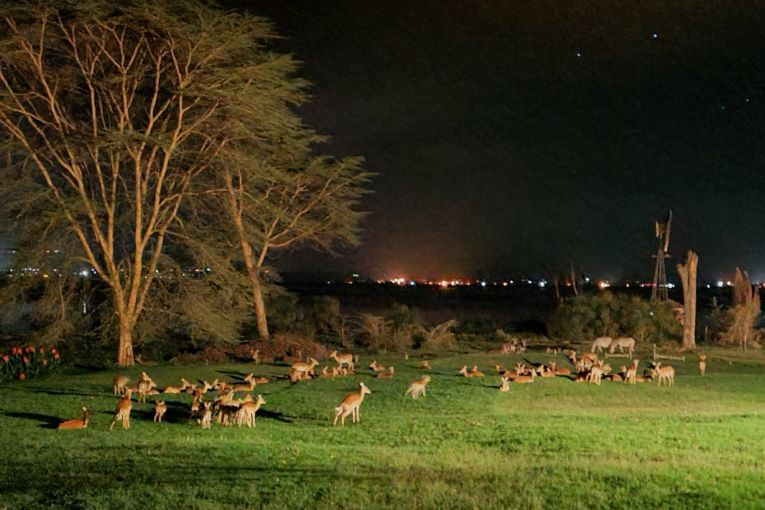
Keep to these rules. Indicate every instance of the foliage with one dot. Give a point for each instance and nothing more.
(585, 317)
(109, 114)
(743, 313)
(26, 363)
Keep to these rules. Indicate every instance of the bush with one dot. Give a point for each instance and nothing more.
(583, 318)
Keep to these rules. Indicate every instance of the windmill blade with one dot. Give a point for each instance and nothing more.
(666, 234)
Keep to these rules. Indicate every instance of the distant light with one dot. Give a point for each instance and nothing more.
(542, 284)
(483, 284)
(720, 283)
(504, 284)
(670, 285)
(587, 279)
(412, 283)
(578, 54)
(654, 35)
(444, 284)
(728, 283)
(604, 284)
(84, 272)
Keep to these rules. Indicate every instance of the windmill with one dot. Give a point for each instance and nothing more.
(662, 251)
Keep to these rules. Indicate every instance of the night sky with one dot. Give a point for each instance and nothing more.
(516, 138)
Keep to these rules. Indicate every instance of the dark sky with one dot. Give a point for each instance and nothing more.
(515, 138)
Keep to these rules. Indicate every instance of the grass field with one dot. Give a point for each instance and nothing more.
(553, 443)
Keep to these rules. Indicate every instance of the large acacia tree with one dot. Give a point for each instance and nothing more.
(111, 111)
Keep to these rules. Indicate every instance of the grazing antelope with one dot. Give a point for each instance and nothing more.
(80, 423)
(344, 359)
(425, 365)
(666, 374)
(474, 372)
(246, 414)
(122, 412)
(558, 371)
(416, 388)
(702, 363)
(375, 367)
(507, 374)
(325, 373)
(622, 343)
(120, 383)
(504, 349)
(351, 404)
(595, 375)
(543, 371)
(504, 386)
(630, 376)
(206, 420)
(173, 390)
(303, 369)
(249, 386)
(386, 375)
(525, 379)
(160, 408)
(601, 343)
(255, 354)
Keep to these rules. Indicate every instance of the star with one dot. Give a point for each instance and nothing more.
(654, 35)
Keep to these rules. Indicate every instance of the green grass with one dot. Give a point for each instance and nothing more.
(554, 443)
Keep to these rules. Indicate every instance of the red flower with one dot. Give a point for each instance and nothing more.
(30, 348)
(5, 358)
(53, 350)
(26, 360)
(56, 356)
(15, 350)
(45, 362)
(22, 376)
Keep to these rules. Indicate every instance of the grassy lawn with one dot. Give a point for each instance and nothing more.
(554, 443)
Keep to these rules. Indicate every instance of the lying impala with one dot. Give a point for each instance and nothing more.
(81, 423)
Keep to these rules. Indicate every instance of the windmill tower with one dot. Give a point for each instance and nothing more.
(662, 252)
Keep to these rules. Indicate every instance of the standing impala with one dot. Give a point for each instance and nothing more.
(122, 412)
(344, 359)
(351, 405)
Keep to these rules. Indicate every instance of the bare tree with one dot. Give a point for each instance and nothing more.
(687, 274)
(746, 308)
(309, 201)
(118, 108)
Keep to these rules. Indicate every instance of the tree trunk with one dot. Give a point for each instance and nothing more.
(125, 352)
(260, 305)
(687, 274)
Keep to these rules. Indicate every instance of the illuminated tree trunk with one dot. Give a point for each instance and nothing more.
(687, 274)
(125, 353)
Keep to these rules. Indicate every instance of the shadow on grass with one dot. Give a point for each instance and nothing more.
(66, 391)
(49, 422)
(238, 374)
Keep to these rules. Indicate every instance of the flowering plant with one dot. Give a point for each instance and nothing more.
(26, 362)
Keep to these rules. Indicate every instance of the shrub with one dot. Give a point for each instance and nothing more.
(585, 317)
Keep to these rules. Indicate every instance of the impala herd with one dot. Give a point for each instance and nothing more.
(227, 409)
